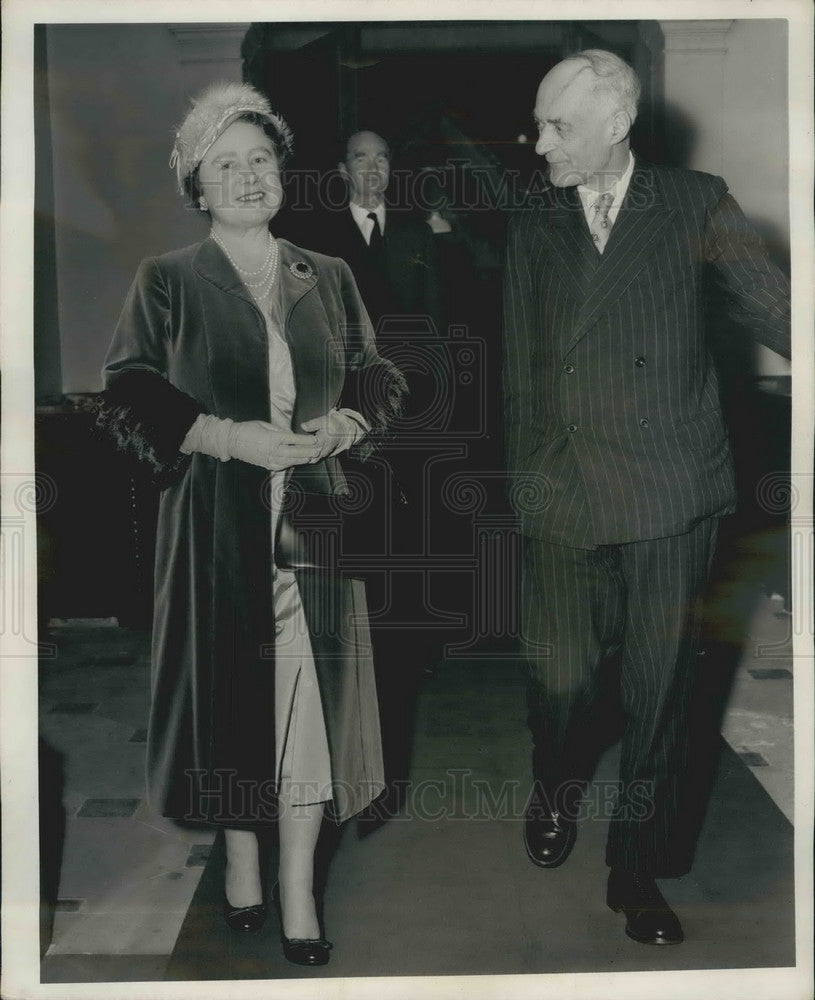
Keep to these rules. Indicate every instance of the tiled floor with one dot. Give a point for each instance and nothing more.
(445, 888)
(127, 876)
(758, 724)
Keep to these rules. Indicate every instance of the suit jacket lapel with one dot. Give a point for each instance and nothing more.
(574, 256)
(642, 220)
(352, 237)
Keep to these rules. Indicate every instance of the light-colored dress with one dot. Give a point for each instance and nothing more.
(302, 755)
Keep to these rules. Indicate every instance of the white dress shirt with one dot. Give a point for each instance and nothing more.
(366, 225)
(589, 196)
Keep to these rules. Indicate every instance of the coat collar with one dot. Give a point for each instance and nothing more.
(597, 280)
(298, 272)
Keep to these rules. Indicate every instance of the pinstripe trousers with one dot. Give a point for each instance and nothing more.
(641, 599)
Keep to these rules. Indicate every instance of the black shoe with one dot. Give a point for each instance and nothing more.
(301, 951)
(245, 919)
(649, 919)
(548, 837)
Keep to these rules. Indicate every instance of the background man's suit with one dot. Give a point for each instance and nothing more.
(402, 279)
(612, 411)
(399, 286)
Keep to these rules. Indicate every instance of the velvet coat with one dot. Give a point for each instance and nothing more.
(190, 339)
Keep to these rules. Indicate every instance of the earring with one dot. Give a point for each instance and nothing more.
(202, 204)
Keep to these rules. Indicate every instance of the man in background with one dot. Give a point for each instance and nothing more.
(391, 254)
(389, 249)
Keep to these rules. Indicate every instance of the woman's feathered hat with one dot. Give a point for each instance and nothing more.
(211, 113)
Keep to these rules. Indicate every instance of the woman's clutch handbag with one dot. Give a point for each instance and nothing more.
(333, 531)
(295, 548)
(335, 512)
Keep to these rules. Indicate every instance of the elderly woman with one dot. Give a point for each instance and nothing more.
(226, 376)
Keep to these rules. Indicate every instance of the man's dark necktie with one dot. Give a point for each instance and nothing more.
(376, 240)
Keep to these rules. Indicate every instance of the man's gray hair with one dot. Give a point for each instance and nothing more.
(614, 78)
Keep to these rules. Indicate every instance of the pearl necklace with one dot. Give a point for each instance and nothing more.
(269, 267)
(267, 292)
(271, 246)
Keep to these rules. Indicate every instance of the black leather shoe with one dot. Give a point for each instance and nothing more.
(245, 919)
(301, 951)
(649, 919)
(548, 837)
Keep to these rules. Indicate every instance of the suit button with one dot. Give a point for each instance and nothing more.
(639, 362)
(571, 428)
(644, 422)
(569, 369)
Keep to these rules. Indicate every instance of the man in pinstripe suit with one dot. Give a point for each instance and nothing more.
(620, 459)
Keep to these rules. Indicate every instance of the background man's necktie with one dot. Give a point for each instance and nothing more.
(375, 242)
(600, 227)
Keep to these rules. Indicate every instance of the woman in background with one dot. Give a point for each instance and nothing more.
(226, 376)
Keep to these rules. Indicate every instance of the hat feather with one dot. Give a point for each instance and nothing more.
(211, 113)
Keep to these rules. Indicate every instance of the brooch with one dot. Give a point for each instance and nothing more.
(300, 269)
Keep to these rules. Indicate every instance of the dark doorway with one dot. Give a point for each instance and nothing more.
(402, 78)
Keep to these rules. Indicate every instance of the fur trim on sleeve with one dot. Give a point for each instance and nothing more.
(378, 391)
(147, 418)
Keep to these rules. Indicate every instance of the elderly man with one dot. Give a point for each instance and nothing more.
(613, 414)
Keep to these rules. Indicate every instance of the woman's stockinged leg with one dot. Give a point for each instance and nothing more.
(242, 881)
(299, 828)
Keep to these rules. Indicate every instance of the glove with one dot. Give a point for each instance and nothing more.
(337, 431)
(253, 441)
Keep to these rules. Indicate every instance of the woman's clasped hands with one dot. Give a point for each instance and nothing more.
(336, 431)
(253, 441)
(259, 443)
